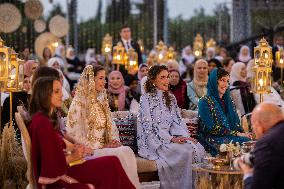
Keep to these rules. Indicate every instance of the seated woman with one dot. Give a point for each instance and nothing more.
(178, 88)
(117, 92)
(240, 89)
(163, 136)
(219, 120)
(51, 153)
(89, 121)
(197, 88)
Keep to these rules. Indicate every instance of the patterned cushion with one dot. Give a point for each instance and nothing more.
(126, 123)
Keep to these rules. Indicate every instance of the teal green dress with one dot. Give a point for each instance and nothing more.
(219, 121)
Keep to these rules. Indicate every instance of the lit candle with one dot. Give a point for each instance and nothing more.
(196, 53)
(281, 61)
(118, 57)
(132, 62)
(265, 55)
(160, 56)
(107, 49)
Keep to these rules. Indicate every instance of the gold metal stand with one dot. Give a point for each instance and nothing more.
(260, 97)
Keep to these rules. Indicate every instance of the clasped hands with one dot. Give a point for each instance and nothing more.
(182, 140)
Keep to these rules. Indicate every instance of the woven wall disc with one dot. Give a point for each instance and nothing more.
(10, 18)
(39, 25)
(33, 9)
(46, 39)
(58, 26)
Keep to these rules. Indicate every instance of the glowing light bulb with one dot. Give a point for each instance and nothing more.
(160, 56)
(281, 61)
(107, 49)
(55, 44)
(118, 57)
(261, 82)
(196, 53)
(132, 62)
(265, 55)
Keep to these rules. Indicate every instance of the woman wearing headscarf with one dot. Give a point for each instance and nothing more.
(219, 121)
(117, 92)
(240, 89)
(163, 135)
(30, 67)
(74, 64)
(210, 53)
(60, 54)
(178, 88)
(244, 54)
(56, 62)
(89, 121)
(90, 58)
(198, 87)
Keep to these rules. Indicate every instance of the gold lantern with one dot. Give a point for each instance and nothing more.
(262, 68)
(4, 61)
(132, 61)
(162, 51)
(198, 46)
(279, 55)
(210, 43)
(106, 50)
(141, 45)
(119, 55)
(16, 74)
(171, 55)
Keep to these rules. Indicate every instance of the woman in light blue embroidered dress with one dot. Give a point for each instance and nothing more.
(163, 136)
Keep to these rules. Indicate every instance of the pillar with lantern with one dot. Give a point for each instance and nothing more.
(106, 50)
(11, 73)
(119, 56)
(262, 69)
(279, 56)
(198, 46)
(162, 51)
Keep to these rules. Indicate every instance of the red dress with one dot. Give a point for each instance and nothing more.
(51, 170)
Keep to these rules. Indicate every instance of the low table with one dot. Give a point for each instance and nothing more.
(225, 178)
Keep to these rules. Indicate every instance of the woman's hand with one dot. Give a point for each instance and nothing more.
(248, 135)
(112, 144)
(182, 140)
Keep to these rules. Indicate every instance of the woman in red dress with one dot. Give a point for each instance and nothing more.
(51, 154)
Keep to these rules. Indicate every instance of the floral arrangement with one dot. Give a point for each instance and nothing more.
(231, 147)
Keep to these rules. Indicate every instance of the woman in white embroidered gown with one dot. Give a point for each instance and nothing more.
(89, 121)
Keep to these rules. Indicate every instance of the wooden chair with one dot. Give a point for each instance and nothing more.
(26, 146)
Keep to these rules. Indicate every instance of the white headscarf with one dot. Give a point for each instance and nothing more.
(188, 57)
(242, 57)
(235, 74)
(52, 60)
(210, 49)
(58, 51)
(90, 57)
(68, 53)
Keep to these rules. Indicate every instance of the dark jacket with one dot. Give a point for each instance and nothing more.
(269, 161)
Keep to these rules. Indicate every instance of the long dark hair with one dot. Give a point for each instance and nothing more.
(151, 88)
(44, 71)
(97, 68)
(41, 98)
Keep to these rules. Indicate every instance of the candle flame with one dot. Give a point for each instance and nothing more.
(261, 82)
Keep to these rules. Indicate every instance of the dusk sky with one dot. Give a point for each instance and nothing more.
(87, 8)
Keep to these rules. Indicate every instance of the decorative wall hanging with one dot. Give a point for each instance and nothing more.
(46, 39)
(33, 9)
(39, 25)
(58, 26)
(10, 18)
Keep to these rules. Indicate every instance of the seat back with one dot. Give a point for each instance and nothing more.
(26, 146)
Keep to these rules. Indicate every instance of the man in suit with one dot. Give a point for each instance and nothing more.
(268, 170)
(127, 42)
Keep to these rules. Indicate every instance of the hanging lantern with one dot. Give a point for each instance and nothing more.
(119, 54)
(262, 68)
(162, 51)
(198, 46)
(132, 61)
(171, 54)
(141, 45)
(16, 74)
(279, 55)
(107, 45)
(211, 43)
(4, 60)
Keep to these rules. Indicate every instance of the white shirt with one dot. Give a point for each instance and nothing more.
(127, 47)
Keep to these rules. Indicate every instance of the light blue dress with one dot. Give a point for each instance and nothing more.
(157, 124)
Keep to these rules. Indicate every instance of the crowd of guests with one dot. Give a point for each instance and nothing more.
(69, 104)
